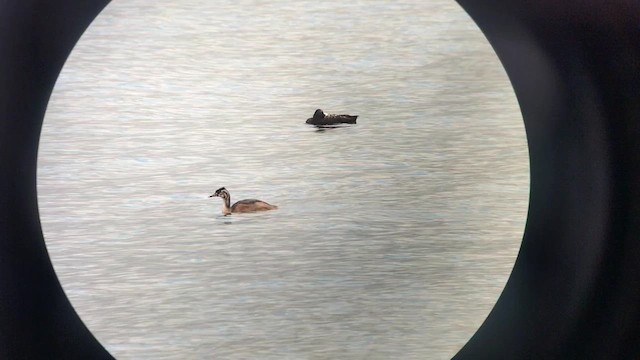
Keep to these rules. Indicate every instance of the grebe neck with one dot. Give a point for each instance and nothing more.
(226, 206)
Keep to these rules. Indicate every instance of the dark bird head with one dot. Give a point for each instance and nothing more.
(318, 115)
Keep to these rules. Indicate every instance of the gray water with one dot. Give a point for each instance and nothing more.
(393, 238)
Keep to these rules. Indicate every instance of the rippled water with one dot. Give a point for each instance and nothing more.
(394, 237)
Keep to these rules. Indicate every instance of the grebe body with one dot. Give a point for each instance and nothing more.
(242, 206)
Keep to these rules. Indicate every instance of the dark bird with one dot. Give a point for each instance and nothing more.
(322, 118)
(242, 206)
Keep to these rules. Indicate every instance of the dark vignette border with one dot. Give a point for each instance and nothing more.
(36, 319)
(574, 292)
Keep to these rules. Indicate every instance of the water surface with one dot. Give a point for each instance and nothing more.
(394, 237)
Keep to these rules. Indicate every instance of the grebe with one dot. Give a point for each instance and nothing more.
(322, 118)
(242, 206)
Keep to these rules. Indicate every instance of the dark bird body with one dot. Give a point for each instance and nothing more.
(242, 206)
(322, 118)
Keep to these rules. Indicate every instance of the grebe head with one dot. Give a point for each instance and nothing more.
(319, 114)
(222, 192)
